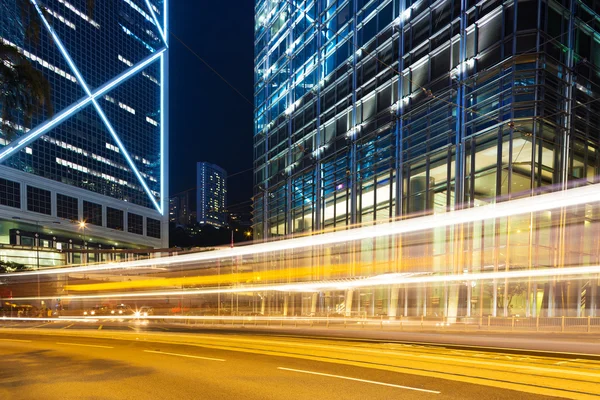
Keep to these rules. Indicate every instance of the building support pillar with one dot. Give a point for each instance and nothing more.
(534, 302)
(405, 301)
(348, 308)
(393, 306)
(578, 298)
(286, 301)
(452, 303)
(593, 297)
(313, 304)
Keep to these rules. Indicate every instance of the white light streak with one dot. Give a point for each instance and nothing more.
(549, 201)
(318, 286)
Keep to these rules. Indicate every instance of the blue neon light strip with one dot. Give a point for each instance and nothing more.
(98, 108)
(163, 200)
(163, 112)
(165, 20)
(162, 32)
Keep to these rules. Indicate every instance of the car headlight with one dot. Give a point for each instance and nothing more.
(145, 314)
(137, 313)
(120, 311)
(85, 313)
(93, 313)
(112, 311)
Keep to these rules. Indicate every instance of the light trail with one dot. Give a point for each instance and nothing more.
(375, 281)
(582, 195)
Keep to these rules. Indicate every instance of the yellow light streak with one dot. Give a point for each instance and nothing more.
(375, 281)
(582, 195)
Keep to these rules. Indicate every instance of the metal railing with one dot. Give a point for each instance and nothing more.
(424, 323)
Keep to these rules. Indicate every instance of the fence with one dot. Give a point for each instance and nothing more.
(489, 323)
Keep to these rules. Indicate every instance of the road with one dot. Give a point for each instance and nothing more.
(64, 361)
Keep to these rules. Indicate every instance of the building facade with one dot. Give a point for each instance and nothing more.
(370, 110)
(101, 158)
(211, 195)
(180, 208)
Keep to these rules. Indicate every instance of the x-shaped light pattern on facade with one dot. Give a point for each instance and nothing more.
(91, 97)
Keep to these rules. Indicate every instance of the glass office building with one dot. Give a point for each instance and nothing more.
(102, 156)
(211, 194)
(370, 110)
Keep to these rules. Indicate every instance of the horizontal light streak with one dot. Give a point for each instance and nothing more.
(392, 279)
(550, 201)
(230, 278)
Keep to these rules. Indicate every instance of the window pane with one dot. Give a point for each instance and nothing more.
(67, 207)
(92, 213)
(38, 200)
(153, 228)
(10, 193)
(114, 218)
(135, 223)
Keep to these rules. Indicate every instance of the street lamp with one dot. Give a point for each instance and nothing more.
(82, 225)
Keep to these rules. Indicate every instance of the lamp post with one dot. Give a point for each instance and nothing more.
(82, 225)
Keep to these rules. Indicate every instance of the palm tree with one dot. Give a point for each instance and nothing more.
(24, 91)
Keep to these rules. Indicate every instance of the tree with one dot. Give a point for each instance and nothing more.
(9, 266)
(24, 90)
(515, 289)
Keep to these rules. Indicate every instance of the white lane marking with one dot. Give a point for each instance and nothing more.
(85, 345)
(67, 327)
(183, 355)
(39, 326)
(16, 340)
(359, 380)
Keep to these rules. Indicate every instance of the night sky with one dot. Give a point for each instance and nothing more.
(209, 121)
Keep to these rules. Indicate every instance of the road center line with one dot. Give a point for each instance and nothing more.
(16, 340)
(359, 380)
(183, 355)
(85, 345)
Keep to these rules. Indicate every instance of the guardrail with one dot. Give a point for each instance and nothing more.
(424, 323)
(517, 324)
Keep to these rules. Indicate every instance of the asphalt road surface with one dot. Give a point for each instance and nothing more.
(67, 362)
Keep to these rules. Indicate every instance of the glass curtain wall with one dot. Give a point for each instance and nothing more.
(371, 110)
(439, 104)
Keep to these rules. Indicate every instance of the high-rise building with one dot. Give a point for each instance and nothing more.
(180, 208)
(211, 195)
(373, 109)
(101, 158)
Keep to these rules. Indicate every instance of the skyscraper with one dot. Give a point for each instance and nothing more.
(211, 195)
(101, 158)
(180, 208)
(372, 109)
